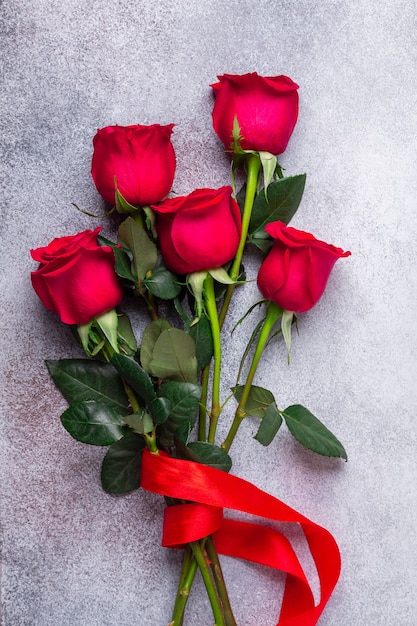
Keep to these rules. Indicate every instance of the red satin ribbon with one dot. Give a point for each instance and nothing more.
(212, 490)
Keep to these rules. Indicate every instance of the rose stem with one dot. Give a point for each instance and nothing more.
(208, 581)
(219, 581)
(211, 308)
(203, 403)
(273, 313)
(254, 165)
(189, 568)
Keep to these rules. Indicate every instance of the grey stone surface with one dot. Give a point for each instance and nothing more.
(74, 556)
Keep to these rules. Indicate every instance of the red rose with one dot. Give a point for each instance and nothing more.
(266, 109)
(295, 272)
(200, 231)
(141, 158)
(76, 278)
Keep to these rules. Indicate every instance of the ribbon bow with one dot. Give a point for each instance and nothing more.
(211, 491)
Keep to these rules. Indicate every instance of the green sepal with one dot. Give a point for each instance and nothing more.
(236, 138)
(121, 204)
(311, 432)
(93, 422)
(84, 379)
(269, 164)
(150, 220)
(221, 276)
(258, 401)
(100, 216)
(120, 470)
(108, 322)
(286, 324)
(248, 312)
(269, 425)
(211, 455)
(195, 283)
(83, 331)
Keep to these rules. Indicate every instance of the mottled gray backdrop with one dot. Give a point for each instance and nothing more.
(74, 556)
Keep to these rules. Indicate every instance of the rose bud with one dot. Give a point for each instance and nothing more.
(266, 109)
(200, 231)
(140, 159)
(76, 277)
(295, 272)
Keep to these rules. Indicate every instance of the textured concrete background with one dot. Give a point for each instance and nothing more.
(74, 556)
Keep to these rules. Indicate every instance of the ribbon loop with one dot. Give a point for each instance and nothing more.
(184, 523)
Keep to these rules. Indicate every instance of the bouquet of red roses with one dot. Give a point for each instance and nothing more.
(156, 403)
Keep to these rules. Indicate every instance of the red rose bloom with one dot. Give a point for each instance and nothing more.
(200, 231)
(141, 158)
(76, 278)
(295, 272)
(266, 109)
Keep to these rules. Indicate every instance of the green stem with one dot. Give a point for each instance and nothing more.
(254, 165)
(211, 308)
(133, 401)
(273, 313)
(220, 582)
(189, 568)
(202, 435)
(200, 557)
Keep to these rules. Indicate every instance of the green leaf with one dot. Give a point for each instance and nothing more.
(311, 433)
(182, 433)
(123, 262)
(163, 284)
(140, 422)
(93, 422)
(201, 333)
(126, 334)
(261, 240)
(269, 425)
(174, 356)
(284, 197)
(135, 376)
(140, 382)
(83, 379)
(149, 337)
(184, 399)
(144, 252)
(209, 454)
(240, 197)
(258, 401)
(120, 471)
